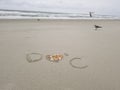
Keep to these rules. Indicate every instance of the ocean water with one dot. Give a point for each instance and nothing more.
(20, 14)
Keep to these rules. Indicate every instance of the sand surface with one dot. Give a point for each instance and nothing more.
(100, 50)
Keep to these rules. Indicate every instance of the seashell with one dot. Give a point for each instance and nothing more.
(54, 58)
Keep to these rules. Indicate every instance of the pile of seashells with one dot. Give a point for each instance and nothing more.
(54, 58)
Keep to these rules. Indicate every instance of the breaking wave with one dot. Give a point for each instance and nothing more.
(20, 14)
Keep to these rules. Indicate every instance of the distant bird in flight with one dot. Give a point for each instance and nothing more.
(96, 27)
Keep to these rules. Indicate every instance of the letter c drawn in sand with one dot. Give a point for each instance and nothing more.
(75, 66)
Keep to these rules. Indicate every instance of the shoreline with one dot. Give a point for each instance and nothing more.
(59, 20)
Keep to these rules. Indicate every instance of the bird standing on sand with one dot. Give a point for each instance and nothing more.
(96, 27)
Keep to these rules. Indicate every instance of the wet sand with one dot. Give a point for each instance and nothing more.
(99, 49)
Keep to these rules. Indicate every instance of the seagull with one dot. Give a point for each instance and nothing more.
(96, 27)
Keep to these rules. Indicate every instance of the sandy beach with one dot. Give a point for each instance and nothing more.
(99, 49)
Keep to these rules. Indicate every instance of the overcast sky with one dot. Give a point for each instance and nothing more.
(110, 7)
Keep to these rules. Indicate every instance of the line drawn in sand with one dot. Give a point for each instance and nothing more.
(34, 57)
(76, 66)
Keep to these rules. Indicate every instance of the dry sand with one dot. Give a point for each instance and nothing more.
(77, 38)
